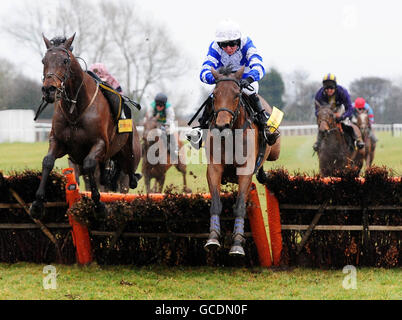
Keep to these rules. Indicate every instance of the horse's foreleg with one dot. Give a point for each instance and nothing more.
(37, 207)
(90, 165)
(240, 213)
(214, 176)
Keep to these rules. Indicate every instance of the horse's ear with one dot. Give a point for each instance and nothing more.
(47, 42)
(239, 73)
(69, 42)
(215, 73)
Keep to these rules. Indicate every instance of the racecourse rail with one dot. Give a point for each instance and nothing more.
(42, 129)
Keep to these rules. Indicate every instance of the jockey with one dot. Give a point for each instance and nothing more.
(231, 48)
(163, 111)
(100, 70)
(335, 95)
(360, 105)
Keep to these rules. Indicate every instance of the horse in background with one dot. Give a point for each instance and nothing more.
(157, 171)
(232, 117)
(363, 122)
(336, 150)
(83, 125)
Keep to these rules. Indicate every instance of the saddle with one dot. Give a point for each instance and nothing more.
(116, 103)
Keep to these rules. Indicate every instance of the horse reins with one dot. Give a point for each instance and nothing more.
(62, 90)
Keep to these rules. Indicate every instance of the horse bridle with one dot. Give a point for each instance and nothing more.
(235, 113)
(62, 93)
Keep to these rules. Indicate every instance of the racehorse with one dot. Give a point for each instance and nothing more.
(112, 179)
(231, 117)
(334, 152)
(83, 126)
(158, 170)
(363, 123)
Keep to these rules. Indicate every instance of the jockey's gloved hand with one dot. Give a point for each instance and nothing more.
(338, 119)
(244, 83)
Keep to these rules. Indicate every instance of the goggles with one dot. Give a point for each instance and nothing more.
(230, 43)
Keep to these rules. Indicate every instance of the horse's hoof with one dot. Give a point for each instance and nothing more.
(237, 251)
(134, 180)
(212, 244)
(37, 210)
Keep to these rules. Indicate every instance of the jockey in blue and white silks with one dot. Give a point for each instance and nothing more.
(232, 49)
(246, 55)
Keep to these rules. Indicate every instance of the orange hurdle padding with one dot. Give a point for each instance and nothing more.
(257, 226)
(274, 223)
(79, 232)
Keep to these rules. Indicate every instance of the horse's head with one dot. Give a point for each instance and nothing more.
(325, 118)
(226, 97)
(362, 119)
(56, 68)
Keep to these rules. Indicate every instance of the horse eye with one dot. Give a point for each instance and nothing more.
(65, 61)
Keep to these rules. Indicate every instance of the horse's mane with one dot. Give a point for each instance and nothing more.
(226, 70)
(58, 41)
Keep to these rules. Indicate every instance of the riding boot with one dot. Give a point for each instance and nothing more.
(172, 146)
(358, 137)
(262, 118)
(317, 144)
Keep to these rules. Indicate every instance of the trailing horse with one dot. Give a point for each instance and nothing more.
(336, 150)
(157, 171)
(363, 122)
(238, 160)
(83, 125)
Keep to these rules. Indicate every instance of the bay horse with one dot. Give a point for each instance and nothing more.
(363, 122)
(334, 152)
(113, 179)
(231, 118)
(157, 171)
(83, 126)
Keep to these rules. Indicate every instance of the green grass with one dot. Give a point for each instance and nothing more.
(24, 280)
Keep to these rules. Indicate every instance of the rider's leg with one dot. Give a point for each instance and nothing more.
(317, 144)
(262, 114)
(357, 136)
(196, 136)
(372, 135)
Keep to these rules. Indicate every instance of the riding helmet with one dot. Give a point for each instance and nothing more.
(161, 99)
(359, 103)
(329, 80)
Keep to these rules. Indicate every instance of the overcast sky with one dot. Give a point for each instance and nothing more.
(351, 39)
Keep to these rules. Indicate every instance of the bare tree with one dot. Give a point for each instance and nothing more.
(110, 32)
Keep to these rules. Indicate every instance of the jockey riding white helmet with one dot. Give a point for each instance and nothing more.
(227, 30)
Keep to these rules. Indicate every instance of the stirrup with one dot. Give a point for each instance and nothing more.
(195, 137)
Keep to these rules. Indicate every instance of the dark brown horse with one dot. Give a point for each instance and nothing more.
(157, 169)
(363, 123)
(335, 152)
(113, 179)
(83, 126)
(234, 161)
